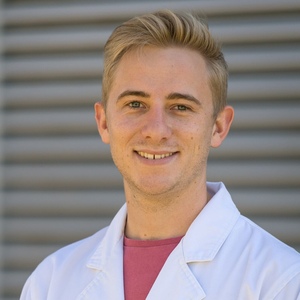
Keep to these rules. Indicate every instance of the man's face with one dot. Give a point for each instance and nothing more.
(159, 119)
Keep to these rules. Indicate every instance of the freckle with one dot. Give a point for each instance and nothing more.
(192, 138)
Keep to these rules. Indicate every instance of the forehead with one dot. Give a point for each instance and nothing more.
(161, 58)
(153, 66)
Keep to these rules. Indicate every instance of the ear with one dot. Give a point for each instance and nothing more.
(222, 126)
(101, 120)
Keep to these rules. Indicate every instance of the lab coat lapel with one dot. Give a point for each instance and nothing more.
(107, 262)
(180, 283)
(108, 282)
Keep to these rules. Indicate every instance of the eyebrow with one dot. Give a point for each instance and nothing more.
(133, 93)
(175, 96)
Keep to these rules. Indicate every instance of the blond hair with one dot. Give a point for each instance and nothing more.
(167, 29)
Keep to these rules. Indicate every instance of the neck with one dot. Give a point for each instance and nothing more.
(151, 217)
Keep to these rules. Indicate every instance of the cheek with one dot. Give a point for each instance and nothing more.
(120, 137)
(201, 137)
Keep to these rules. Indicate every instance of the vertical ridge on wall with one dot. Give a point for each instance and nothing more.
(58, 181)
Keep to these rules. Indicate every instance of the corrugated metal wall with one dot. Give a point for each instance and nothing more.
(58, 183)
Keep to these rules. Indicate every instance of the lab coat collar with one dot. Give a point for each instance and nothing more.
(107, 261)
(212, 226)
(209, 232)
(111, 243)
(201, 243)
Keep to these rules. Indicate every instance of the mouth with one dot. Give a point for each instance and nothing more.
(154, 156)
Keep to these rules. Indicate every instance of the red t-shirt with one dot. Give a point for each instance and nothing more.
(143, 261)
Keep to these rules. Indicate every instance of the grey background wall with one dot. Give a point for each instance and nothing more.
(58, 183)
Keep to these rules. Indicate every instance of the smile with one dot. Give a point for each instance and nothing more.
(154, 156)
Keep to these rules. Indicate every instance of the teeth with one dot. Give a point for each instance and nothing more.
(154, 156)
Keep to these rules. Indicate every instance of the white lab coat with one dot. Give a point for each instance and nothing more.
(222, 256)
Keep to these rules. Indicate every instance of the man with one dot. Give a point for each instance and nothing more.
(178, 237)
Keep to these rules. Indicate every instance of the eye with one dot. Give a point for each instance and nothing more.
(135, 104)
(181, 107)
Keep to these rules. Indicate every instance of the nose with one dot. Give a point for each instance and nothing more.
(156, 125)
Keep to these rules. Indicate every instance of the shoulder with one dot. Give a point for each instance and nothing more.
(273, 263)
(80, 249)
(261, 238)
(65, 261)
(254, 238)
(76, 253)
